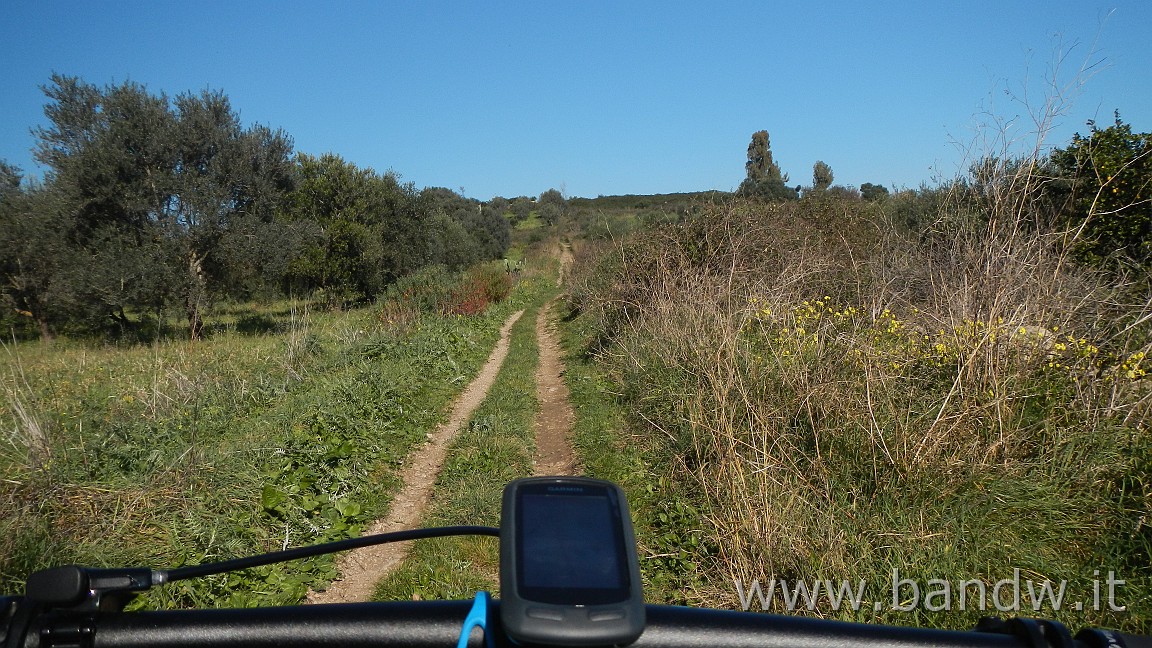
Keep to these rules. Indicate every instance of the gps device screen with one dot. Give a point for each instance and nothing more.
(569, 550)
(569, 575)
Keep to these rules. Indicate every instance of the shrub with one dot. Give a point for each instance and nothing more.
(427, 290)
(480, 286)
(434, 289)
(848, 399)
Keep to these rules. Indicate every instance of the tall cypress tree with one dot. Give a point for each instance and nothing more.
(821, 176)
(764, 178)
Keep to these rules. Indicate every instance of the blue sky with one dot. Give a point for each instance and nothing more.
(512, 98)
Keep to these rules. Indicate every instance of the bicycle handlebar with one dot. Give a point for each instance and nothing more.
(426, 624)
(78, 607)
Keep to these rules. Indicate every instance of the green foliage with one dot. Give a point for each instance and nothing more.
(480, 286)
(461, 231)
(917, 211)
(821, 176)
(678, 552)
(764, 179)
(494, 448)
(770, 189)
(170, 455)
(34, 257)
(427, 290)
(520, 209)
(160, 202)
(873, 192)
(156, 206)
(760, 165)
(353, 210)
(437, 290)
(675, 553)
(500, 205)
(666, 203)
(552, 206)
(1111, 176)
(10, 177)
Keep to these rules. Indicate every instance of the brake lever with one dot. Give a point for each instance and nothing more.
(85, 588)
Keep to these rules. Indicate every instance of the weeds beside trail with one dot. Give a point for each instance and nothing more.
(361, 569)
(824, 399)
(670, 536)
(178, 454)
(496, 447)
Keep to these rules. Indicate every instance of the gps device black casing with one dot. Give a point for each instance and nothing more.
(569, 574)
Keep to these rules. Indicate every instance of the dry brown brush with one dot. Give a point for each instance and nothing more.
(848, 398)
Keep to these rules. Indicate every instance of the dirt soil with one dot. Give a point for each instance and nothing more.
(564, 254)
(554, 455)
(363, 568)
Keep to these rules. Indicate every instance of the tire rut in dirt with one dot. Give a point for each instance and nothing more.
(362, 568)
(553, 425)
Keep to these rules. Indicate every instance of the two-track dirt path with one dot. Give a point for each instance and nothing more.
(362, 568)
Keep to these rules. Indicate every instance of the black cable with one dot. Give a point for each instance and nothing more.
(208, 569)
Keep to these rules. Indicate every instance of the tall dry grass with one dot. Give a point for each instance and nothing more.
(847, 398)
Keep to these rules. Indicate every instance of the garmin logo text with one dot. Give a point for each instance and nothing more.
(565, 489)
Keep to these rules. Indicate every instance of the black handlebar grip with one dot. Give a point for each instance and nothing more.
(704, 628)
(1096, 638)
(1135, 641)
(67, 585)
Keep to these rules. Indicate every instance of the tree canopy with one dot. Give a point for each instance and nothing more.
(821, 176)
(1111, 186)
(163, 201)
(764, 178)
(154, 205)
(873, 192)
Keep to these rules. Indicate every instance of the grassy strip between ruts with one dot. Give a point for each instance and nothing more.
(495, 448)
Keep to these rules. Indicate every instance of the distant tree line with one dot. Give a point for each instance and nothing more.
(155, 206)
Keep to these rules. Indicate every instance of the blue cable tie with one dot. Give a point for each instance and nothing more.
(477, 617)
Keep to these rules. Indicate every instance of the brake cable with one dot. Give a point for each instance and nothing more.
(90, 588)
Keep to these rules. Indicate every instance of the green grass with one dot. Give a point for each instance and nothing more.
(673, 549)
(532, 222)
(175, 454)
(496, 447)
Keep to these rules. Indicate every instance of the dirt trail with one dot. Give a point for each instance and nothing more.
(363, 568)
(554, 455)
(566, 258)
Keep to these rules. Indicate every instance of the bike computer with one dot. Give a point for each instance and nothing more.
(569, 574)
